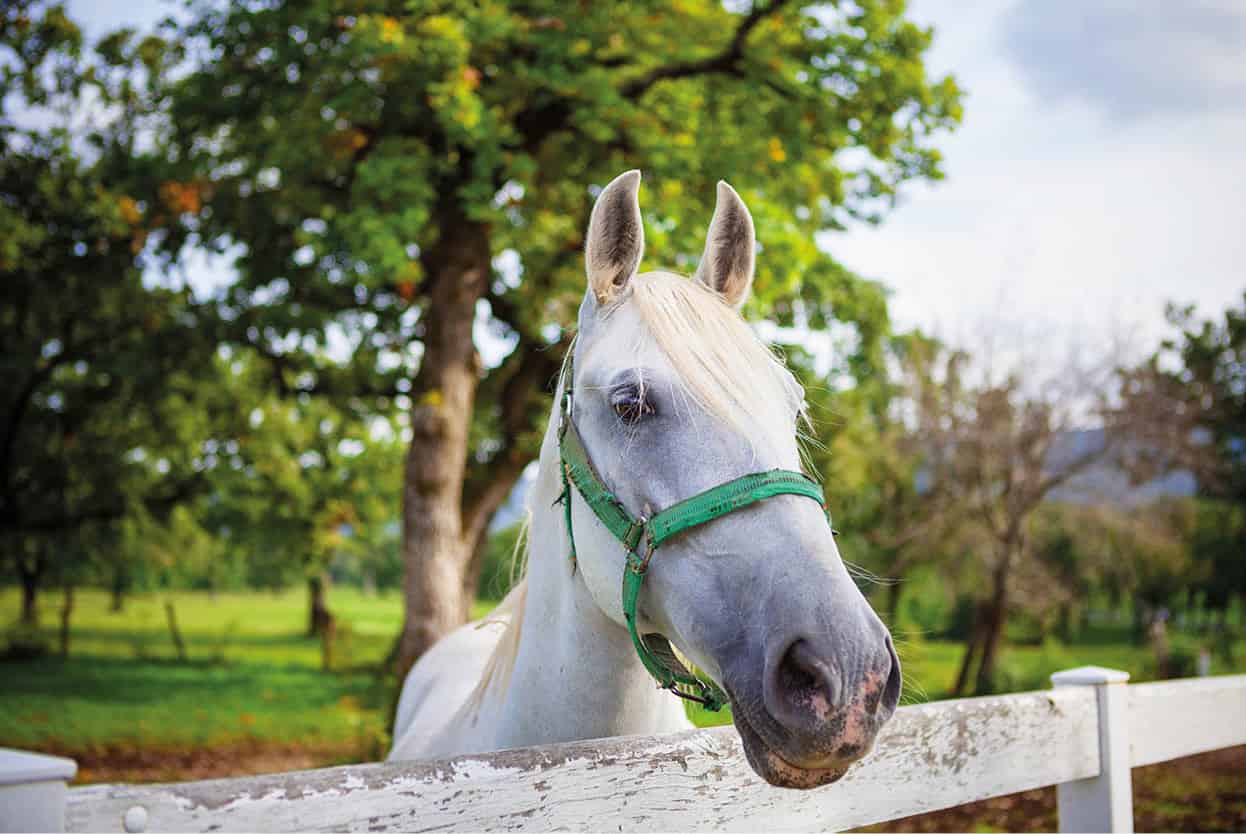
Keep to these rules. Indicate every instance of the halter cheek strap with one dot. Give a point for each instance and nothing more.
(641, 537)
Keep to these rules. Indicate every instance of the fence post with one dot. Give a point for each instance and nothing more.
(33, 790)
(1104, 802)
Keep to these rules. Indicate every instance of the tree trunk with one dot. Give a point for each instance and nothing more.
(992, 632)
(996, 617)
(67, 611)
(971, 652)
(176, 633)
(1064, 622)
(328, 637)
(1139, 621)
(120, 579)
(435, 554)
(30, 594)
(319, 615)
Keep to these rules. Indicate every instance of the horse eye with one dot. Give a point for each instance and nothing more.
(631, 405)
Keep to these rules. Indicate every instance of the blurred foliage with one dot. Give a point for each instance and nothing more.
(338, 144)
(106, 384)
(882, 471)
(135, 451)
(339, 130)
(1184, 409)
(305, 486)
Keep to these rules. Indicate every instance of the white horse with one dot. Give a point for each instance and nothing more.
(674, 394)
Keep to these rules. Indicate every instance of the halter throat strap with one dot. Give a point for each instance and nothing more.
(641, 537)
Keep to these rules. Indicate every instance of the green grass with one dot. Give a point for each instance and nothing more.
(107, 702)
(252, 674)
(254, 677)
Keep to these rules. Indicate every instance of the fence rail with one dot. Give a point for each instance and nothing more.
(1180, 718)
(1083, 736)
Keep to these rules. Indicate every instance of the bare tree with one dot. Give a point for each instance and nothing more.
(1000, 447)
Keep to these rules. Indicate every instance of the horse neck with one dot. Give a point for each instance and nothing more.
(576, 674)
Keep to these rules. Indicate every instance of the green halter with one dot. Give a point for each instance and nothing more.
(639, 532)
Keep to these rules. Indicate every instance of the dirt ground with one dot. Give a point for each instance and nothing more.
(108, 764)
(1198, 793)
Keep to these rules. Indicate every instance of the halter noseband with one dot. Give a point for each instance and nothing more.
(640, 535)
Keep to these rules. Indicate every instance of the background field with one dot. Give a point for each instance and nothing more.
(253, 688)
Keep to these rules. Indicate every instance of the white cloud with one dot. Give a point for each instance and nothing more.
(1133, 58)
(1055, 214)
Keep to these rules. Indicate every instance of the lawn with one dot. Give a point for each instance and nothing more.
(253, 681)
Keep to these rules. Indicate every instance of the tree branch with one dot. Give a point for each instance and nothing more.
(110, 511)
(539, 121)
(18, 411)
(726, 61)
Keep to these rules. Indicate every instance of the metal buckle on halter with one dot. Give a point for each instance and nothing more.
(632, 540)
(708, 701)
(564, 413)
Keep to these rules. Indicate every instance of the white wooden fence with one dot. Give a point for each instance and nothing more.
(1084, 736)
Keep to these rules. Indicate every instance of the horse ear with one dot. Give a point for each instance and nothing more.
(616, 237)
(727, 264)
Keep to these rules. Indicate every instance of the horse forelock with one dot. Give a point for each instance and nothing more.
(718, 359)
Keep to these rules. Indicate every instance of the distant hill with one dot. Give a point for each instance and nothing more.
(1106, 481)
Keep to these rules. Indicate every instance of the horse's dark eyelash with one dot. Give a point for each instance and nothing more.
(631, 404)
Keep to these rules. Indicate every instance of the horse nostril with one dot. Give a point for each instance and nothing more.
(805, 686)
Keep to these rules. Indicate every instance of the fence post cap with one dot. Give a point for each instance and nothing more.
(18, 767)
(1088, 676)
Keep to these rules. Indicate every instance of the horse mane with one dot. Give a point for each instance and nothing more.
(509, 613)
(727, 370)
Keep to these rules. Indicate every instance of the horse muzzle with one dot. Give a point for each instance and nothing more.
(814, 713)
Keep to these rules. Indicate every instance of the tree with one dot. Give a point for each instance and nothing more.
(297, 485)
(102, 393)
(416, 174)
(998, 448)
(1216, 548)
(1185, 406)
(1184, 409)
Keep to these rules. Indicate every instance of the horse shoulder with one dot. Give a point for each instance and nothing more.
(429, 720)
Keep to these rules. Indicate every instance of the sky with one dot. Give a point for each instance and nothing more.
(1100, 171)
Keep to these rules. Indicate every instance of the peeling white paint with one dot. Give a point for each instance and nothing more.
(927, 757)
